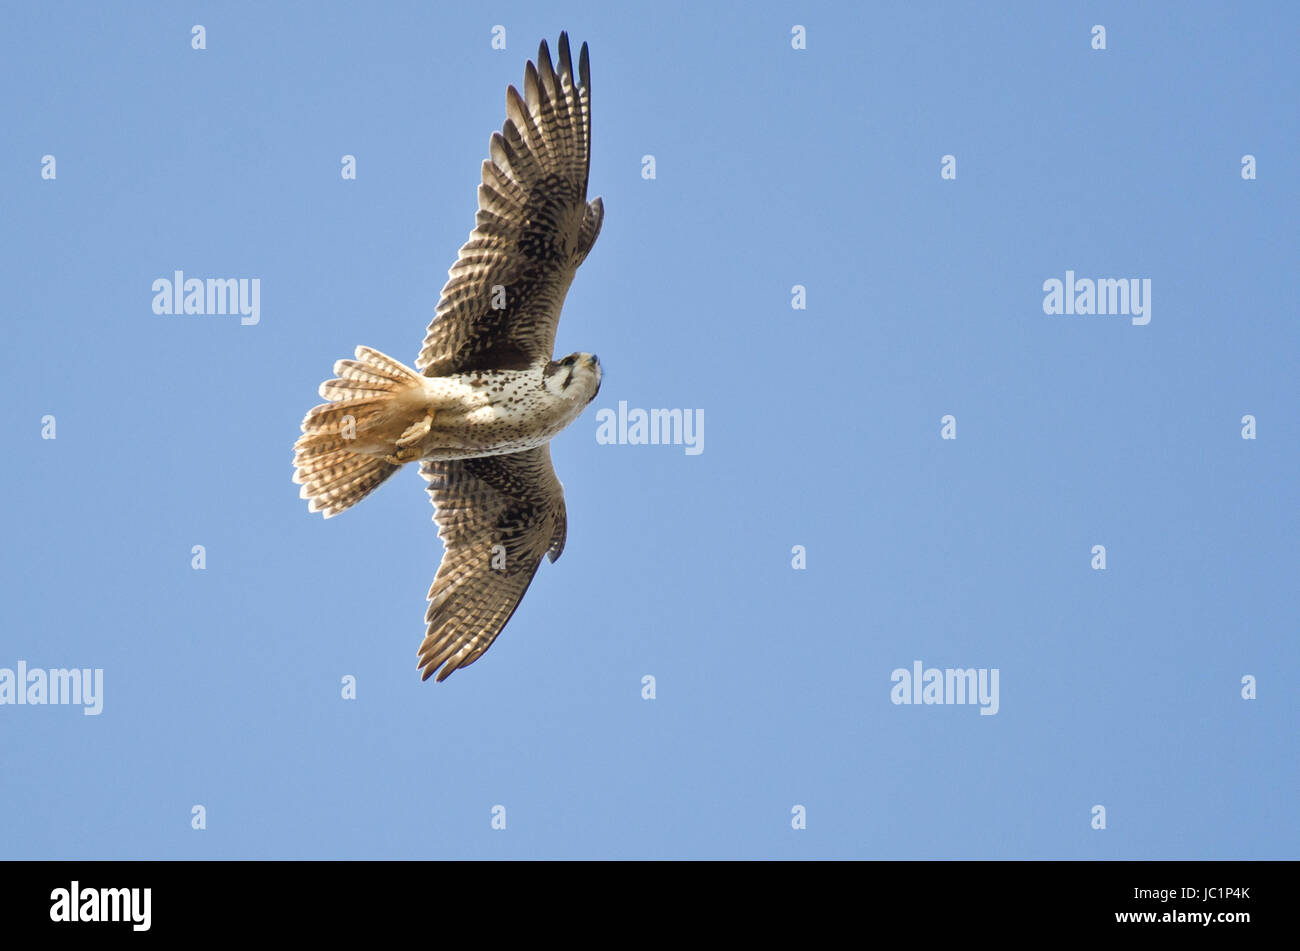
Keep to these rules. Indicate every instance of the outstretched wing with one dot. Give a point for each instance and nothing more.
(497, 517)
(501, 303)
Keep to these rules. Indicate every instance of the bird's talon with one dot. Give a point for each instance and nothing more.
(403, 456)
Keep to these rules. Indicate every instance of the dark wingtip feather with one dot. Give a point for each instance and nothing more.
(566, 61)
(532, 95)
(584, 68)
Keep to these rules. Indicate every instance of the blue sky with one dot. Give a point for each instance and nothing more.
(775, 167)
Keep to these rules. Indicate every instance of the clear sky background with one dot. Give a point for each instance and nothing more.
(775, 167)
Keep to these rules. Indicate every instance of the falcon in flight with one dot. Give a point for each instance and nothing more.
(485, 399)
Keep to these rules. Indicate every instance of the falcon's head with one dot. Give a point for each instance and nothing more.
(576, 378)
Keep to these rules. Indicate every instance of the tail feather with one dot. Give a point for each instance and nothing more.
(338, 487)
(356, 379)
(384, 365)
(336, 417)
(352, 389)
(340, 458)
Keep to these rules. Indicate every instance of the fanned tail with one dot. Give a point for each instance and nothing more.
(345, 451)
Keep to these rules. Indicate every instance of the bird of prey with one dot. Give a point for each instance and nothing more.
(480, 413)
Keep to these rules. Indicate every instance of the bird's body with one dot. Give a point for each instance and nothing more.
(480, 413)
(486, 398)
(497, 412)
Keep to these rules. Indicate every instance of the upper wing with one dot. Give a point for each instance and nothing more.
(497, 516)
(501, 303)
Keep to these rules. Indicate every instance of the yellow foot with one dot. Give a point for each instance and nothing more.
(403, 456)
